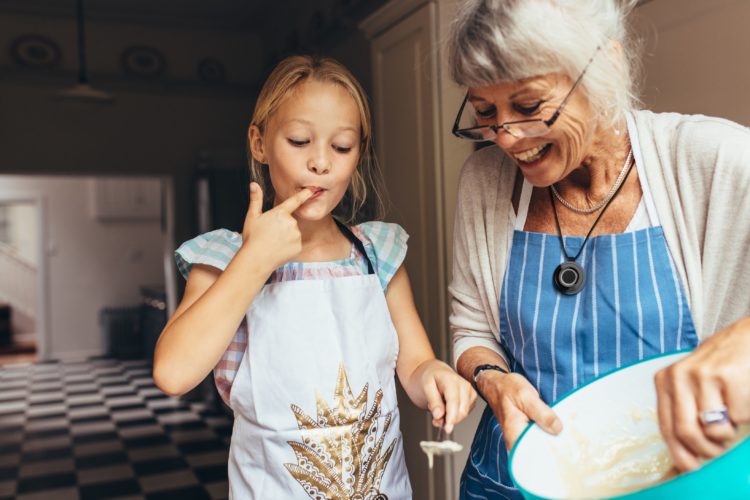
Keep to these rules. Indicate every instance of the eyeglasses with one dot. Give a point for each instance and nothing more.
(534, 127)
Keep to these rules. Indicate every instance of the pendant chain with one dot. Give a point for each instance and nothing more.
(606, 199)
(557, 220)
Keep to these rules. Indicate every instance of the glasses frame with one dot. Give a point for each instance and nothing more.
(508, 126)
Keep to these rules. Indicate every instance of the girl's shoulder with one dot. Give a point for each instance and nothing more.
(385, 244)
(215, 248)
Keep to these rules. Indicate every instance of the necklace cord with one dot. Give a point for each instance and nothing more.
(583, 245)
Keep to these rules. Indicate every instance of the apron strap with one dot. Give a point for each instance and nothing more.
(357, 243)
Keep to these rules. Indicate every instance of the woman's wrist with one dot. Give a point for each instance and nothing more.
(487, 382)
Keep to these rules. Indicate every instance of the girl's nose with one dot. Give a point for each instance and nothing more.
(319, 164)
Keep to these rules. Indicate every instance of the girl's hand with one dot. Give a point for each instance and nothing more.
(712, 377)
(515, 402)
(450, 398)
(275, 233)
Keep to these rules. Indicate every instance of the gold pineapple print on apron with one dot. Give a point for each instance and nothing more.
(340, 457)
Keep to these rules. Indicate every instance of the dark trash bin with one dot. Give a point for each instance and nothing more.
(6, 322)
(121, 333)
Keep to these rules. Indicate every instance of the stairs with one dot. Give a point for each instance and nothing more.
(18, 296)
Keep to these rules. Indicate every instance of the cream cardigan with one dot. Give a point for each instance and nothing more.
(698, 171)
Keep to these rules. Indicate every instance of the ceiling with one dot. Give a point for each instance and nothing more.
(211, 14)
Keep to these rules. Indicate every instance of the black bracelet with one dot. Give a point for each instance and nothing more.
(479, 369)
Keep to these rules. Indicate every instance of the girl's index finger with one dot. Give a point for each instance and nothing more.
(256, 200)
(294, 202)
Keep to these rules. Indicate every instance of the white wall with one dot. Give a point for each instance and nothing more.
(90, 264)
(695, 58)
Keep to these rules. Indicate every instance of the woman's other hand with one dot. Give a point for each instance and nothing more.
(715, 376)
(274, 233)
(450, 398)
(515, 403)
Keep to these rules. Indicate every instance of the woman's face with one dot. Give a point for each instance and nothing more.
(547, 159)
(312, 141)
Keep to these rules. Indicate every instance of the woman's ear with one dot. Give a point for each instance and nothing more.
(617, 51)
(255, 140)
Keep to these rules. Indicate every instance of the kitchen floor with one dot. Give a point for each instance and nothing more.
(101, 429)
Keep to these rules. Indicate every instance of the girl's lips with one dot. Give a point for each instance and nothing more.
(317, 191)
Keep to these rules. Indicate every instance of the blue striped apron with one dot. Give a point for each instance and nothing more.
(632, 306)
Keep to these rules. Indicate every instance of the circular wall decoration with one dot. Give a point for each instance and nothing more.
(34, 51)
(211, 70)
(143, 61)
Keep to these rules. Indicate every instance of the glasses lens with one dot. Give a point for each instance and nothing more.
(536, 128)
(470, 126)
(480, 134)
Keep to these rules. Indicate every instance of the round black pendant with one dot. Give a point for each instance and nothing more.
(569, 278)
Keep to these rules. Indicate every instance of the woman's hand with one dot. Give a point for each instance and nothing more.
(449, 397)
(275, 233)
(715, 376)
(515, 402)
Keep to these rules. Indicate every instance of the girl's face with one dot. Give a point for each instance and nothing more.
(548, 159)
(311, 141)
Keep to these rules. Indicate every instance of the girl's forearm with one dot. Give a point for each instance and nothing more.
(413, 382)
(193, 341)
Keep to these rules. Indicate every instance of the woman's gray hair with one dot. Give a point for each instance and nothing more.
(496, 41)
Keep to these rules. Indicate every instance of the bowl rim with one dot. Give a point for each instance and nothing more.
(565, 396)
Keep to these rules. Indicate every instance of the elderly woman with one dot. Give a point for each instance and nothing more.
(591, 234)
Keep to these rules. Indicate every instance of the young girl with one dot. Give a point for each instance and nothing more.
(305, 316)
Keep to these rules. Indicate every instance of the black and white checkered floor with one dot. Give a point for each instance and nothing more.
(101, 429)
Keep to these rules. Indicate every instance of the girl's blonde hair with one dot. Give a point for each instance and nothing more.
(365, 198)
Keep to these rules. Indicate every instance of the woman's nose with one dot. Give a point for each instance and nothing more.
(505, 139)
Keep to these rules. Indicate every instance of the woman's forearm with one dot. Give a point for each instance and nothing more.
(475, 356)
(203, 326)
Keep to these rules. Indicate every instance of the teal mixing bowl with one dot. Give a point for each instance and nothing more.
(610, 447)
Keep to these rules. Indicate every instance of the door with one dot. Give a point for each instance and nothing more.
(405, 83)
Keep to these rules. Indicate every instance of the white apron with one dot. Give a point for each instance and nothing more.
(314, 398)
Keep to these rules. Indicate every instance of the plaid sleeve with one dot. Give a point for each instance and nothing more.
(385, 244)
(226, 369)
(216, 249)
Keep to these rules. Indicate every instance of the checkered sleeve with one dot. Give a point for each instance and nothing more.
(216, 249)
(385, 244)
(226, 369)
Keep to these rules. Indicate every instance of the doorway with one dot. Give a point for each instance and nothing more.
(92, 265)
(23, 275)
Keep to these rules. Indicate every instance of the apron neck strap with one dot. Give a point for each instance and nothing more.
(357, 243)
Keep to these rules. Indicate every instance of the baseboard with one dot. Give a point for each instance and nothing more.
(68, 356)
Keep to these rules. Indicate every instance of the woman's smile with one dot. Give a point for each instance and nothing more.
(530, 156)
